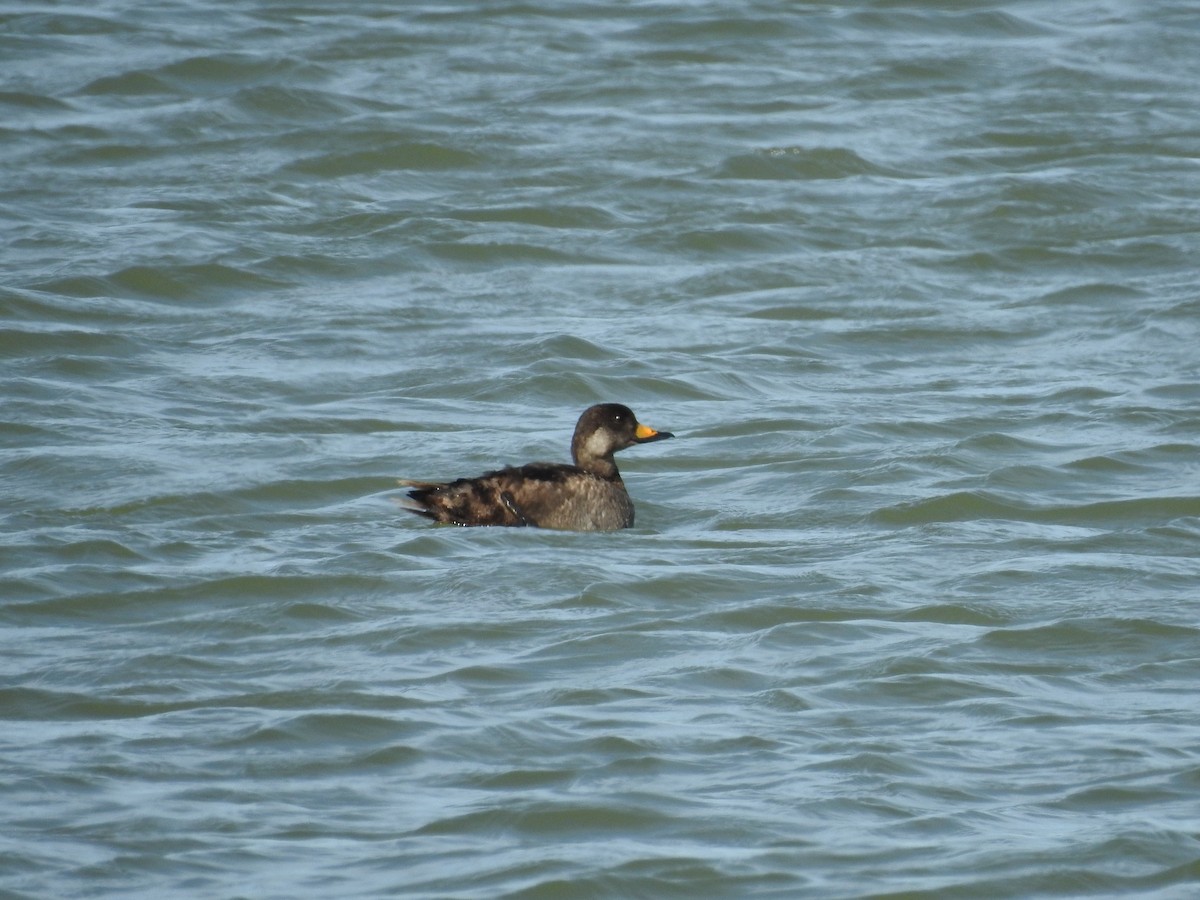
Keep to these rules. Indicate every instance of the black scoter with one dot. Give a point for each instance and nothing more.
(588, 496)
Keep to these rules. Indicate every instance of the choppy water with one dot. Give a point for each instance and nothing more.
(911, 605)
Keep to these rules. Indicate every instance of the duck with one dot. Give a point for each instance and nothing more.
(586, 496)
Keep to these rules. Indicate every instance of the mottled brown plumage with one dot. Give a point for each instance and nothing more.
(588, 496)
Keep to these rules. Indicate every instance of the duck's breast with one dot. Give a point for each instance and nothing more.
(577, 502)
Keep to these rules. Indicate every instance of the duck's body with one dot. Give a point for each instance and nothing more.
(586, 496)
(545, 495)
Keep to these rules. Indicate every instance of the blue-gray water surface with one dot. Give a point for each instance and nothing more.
(911, 607)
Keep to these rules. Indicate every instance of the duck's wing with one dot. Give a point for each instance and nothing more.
(512, 496)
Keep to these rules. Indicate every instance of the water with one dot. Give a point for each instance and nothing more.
(910, 608)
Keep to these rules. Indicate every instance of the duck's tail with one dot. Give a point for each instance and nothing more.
(417, 500)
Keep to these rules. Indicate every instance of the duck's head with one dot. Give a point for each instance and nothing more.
(605, 428)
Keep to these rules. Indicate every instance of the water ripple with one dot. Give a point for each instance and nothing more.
(909, 607)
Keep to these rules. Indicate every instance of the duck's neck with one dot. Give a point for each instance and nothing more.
(600, 466)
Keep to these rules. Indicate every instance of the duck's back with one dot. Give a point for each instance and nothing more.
(546, 495)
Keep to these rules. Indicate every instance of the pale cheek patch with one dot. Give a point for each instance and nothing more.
(597, 444)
